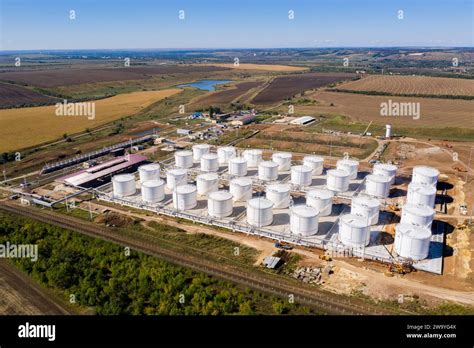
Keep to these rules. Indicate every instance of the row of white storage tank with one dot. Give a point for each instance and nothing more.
(413, 233)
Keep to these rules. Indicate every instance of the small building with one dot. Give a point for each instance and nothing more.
(182, 131)
(271, 262)
(242, 120)
(303, 121)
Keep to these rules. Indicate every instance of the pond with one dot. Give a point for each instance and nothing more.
(206, 85)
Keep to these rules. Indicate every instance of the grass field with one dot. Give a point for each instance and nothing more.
(226, 96)
(312, 143)
(26, 127)
(263, 67)
(416, 85)
(434, 113)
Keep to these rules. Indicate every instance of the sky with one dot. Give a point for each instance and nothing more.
(138, 24)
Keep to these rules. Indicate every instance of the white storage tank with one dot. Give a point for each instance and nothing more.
(149, 172)
(209, 162)
(153, 191)
(238, 166)
(123, 185)
(176, 177)
(219, 204)
(253, 157)
(304, 220)
(199, 150)
(354, 231)
(279, 194)
(350, 166)
(301, 175)
(366, 207)
(185, 197)
(259, 212)
(388, 131)
(321, 200)
(225, 153)
(386, 169)
(417, 214)
(425, 175)
(283, 159)
(207, 183)
(316, 163)
(268, 171)
(421, 194)
(183, 159)
(377, 185)
(241, 189)
(337, 180)
(412, 242)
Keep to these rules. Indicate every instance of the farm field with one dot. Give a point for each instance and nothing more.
(48, 78)
(284, 87)
(263, 67)
(417, 85)
(434, 113)
(25, 127)
(12, 95)
(227, 95)
(304, 142)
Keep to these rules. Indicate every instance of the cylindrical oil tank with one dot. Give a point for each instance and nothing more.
(241, 189)
(283, 159)
(183, 159)
(219, 204)
(349, 165)
(301, 175)
(153, 191)
(253, 157)
(377, 185)
(417, 214)
(425, 175)
(386, 169)
(304, 220)
(238, 166)
(185, 197)
(123, 185)
(225, 153)
(366, 207)
(149, 172)
(316, 163)
(268, 170)
(321, 200)
(209, 162)
(279, 194)
(199, 150)
(337, 180)
(354, 231)
(176, 177)
(207, 183)
(259, 212)
(412, 242)
(421, 194)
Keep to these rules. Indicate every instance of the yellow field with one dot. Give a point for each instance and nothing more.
(264, 67)
(25, 127)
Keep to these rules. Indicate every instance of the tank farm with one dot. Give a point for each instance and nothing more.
(307, 203)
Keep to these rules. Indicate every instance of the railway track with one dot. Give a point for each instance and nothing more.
(315, 298)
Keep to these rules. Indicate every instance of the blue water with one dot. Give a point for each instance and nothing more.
(206, 85)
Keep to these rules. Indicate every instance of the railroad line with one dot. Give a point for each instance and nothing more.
(330, 303)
